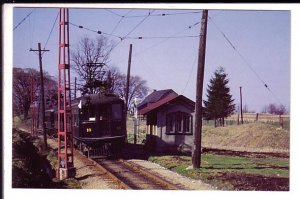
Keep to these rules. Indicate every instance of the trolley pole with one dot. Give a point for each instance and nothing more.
(196, 152)
(42, 93)
(241, 105)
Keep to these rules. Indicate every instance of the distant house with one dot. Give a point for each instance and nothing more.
(155, 96)
(170, 124)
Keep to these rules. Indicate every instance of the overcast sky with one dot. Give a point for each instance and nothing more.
(261, 39)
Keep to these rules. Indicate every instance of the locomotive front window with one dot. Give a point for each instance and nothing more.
(88, 113)
(116, 111)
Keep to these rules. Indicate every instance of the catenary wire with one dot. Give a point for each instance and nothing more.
(188, 80)
(119, 22)
(245, 60)
(23, 19)
(133, 29)
(51, 32)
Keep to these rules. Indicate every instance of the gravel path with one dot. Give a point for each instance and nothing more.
(186, 182)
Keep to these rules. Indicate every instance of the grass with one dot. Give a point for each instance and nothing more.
(254, 137)
(228, 172)
(252, 156)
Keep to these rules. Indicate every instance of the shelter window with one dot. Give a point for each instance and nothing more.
(179, 123)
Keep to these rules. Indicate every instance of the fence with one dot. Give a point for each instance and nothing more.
(280, 120)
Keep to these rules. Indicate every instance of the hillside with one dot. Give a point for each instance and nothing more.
(253, 137)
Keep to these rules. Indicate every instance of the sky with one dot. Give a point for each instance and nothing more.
(261, 37)
(262, 40)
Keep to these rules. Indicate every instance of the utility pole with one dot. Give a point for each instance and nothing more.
(241, 105)
(75, 88)
(128, 78)
(127, 83)
(196, 152)
(42, 92)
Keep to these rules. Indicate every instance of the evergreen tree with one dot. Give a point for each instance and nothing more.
(219, 104)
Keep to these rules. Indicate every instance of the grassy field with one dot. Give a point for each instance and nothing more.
(246, 157)
(233, 172)
(253, 137)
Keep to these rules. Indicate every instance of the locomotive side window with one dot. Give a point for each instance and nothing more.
(116, 111)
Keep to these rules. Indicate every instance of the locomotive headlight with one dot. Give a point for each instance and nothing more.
(88, 130)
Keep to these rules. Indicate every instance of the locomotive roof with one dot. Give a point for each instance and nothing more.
(98, 99)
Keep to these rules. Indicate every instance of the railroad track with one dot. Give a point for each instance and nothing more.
(123, 174)
(133, 176)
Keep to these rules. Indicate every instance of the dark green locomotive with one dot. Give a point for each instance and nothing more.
(99, 124)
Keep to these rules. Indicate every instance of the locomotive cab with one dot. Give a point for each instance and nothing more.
(99, 120)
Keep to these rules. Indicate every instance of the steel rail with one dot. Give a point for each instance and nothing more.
(119, 182)
(151, 175)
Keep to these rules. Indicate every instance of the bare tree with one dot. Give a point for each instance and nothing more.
(137, 88)
(275, 109)
(90, 59)
(22, 79)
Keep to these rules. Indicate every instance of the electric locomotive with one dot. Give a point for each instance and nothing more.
(99, 124)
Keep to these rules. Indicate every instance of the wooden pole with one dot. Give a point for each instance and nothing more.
(196, 152)
(128, 78)
(42, 93)
(241, 105)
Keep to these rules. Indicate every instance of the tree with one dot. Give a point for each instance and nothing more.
(137, 88)
(219, 102)
(90, 60)
(274, 109)
(22, 79)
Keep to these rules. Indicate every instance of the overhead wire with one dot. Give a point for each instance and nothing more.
(245, 60)
(50, 32)
(23, 19)
(95, 31)
(133, 29)
(169, 37)
(118, 23)
(190, 74)
(154, 15)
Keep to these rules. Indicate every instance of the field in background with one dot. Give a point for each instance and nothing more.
(276, 120)
(252, 137)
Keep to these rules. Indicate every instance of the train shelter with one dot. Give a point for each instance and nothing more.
(170, 124)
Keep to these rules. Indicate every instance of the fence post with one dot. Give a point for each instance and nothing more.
(281, 121)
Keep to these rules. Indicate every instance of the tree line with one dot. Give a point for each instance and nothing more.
(90, 62)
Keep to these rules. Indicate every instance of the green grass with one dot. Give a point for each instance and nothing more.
(232, 172)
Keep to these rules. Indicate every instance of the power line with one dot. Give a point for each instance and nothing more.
(114, 13)
(245, 60)
(118, 23)
(135, 38)
(51, 30)
(169, 37)
(188, 80)
(163, 14)
(23, 19)
(95, 31)
(133, 29)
